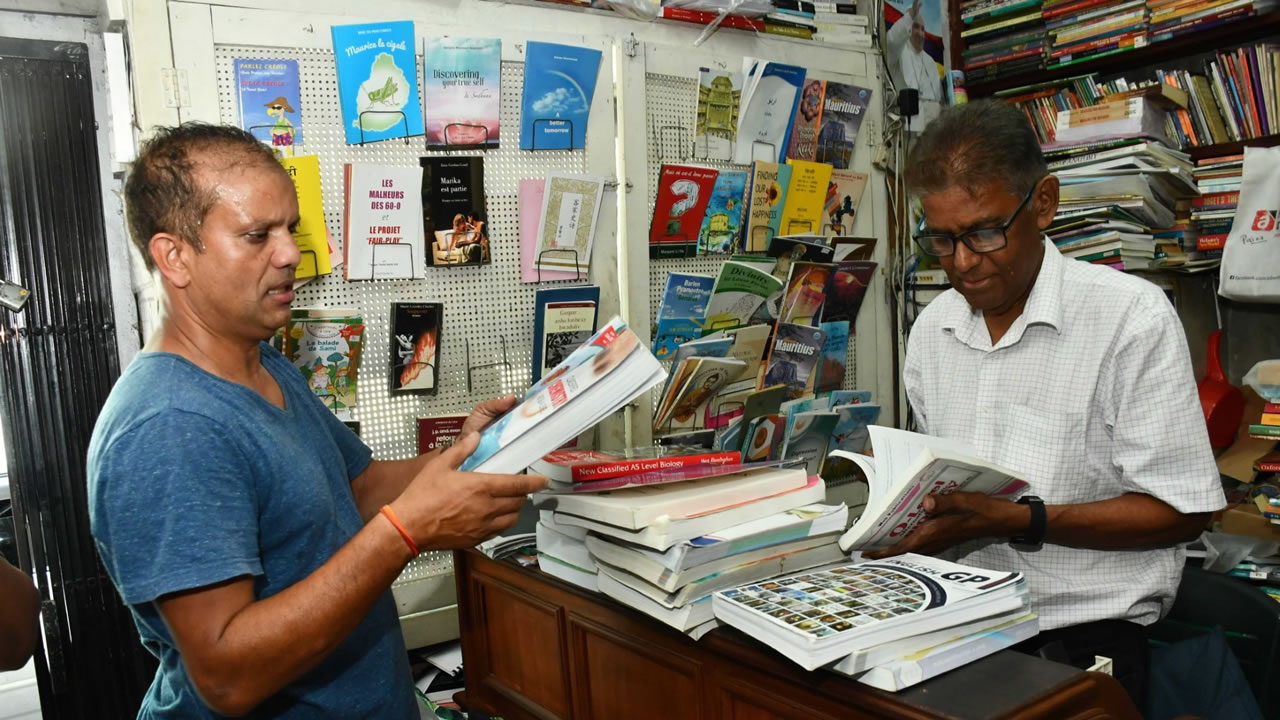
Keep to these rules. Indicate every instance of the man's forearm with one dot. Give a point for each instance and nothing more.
(384, 480)
(1132, 520)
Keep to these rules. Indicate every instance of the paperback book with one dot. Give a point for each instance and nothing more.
(722, 224)
(793, 358)
(739, 292)
(382, 223)
(270, 102)
(325, 344)
(719, 96)
(804, 127)
(564, 318)
(806, 293)
(767, 194)
(686, 295)
(770, 95)
(310, 233)
(844, 194)
(377, 68)
(684, 192)
(806, 200)
(462, 91)
(835, 350)
(567, 231)
(579, 466)
(453, 210)
(438, 431)
(847, 290)
(694, 385)
(808, 437)
(559, 83)
(843, 108)
(415, 347)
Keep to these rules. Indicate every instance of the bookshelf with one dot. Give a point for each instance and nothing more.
(1232, 148)
(1241, 32)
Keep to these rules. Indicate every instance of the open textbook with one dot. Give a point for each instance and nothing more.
(605, 373)
(907, 468)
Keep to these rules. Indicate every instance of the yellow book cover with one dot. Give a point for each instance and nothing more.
(311, 235)
(1272, 419)
(806, 197)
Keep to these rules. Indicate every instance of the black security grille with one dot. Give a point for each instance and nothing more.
(58, 360)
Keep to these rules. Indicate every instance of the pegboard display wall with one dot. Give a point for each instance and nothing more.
(482, 305)
(672, 104)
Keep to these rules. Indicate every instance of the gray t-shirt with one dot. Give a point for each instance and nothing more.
(194, 480)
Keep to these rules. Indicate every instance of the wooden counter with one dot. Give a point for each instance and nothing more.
(536, 647)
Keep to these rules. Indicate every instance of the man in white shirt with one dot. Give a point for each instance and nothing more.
(1073, 375)
(915, 68)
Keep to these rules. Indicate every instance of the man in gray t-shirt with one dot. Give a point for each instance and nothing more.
(248, 530)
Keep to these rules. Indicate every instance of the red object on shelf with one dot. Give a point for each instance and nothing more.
(1222, 402)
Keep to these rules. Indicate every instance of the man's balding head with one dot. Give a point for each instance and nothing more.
(968, 146)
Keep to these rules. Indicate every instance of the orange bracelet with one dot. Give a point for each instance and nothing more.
(390, 514)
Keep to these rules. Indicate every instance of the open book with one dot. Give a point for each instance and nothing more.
(907, 468)
(608, 371)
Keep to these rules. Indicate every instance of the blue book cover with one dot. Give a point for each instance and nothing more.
(674, 332)
(461, 90)
(850, 433)
(563, 319)
(686, 296)
(835, 350)
(559, 82)
(377, 80)
(270, 101)
(764, 125)
(723, 221)
(848, 397)
(775, 211)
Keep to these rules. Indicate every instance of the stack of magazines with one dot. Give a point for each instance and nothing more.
(889, 623)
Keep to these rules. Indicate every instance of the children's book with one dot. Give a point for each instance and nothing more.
(722, 224)
(908, 467)
(325, 345)
(461, 91)
(719, 97)
(311, 234)
(806, 293)
(767, 192)
(804, 127)
(835, 351)
(438, 431)
(684, 192)
(843, 107)
(377, 67)
(808, 437)
(847, 290)
(454, 211)
(382, 223)
(850, 433)
(770, 96)
(570, 214)
(739, 291)
(844, 194)
(793, 358)
(270, 102)
(806, 197)
(559, 83)
(686, 295)
(604, 374)
(415, 347)
(564, 318)
(672, 333)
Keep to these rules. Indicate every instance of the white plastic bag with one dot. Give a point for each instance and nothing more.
(1251, 257)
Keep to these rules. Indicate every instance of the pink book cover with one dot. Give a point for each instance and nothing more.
(663, 477)
(531, 192)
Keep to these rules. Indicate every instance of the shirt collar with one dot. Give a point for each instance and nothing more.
(1044, 305)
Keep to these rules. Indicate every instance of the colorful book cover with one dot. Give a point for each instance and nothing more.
(804, 128)
(564, 318)
(739, 291)
(844, 194)
(848, 397)
(570, 213)
(559, 83)
(686, 295)
(382, 223)
(439, 431)
(723, 220)
(461, 91)
(674, 332)
(325, 345)
(270, 102)
(377, 67)
(768, 192)
(806, 197)
(806, 293)
(843, 107)
(763, 438)
(764, 125)
(850, 433)
(311, 233)
(415, 347)
(807, 437)
(719, 95)
(531, 199)
(847, 290)
(793, 358)
(700, 381)
(453, 211)
(684, 193)
(835, 352)
(749, 346)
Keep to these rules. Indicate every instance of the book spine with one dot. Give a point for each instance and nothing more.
(1211, 199)
(1271, 408)
(1266, 432)
(700, 17)
(1271, 419)
(621, 468)
(1005, 58)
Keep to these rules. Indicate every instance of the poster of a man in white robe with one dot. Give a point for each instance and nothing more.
(914, 53)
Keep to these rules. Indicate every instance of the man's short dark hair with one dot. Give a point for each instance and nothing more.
(970, 145)
(163, 193)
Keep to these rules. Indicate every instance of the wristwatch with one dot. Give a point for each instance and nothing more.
(1035, 531)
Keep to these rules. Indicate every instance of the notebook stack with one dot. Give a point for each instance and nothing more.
(662, 542)
(1002, 38)
(889, 623)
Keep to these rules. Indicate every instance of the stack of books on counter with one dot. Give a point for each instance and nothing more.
(1218, 179)
(663, 541)
(1002, 38)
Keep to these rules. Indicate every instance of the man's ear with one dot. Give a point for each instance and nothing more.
(1046, 201)
(172, 256)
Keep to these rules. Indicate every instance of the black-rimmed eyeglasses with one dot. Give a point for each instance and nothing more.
(983, 240)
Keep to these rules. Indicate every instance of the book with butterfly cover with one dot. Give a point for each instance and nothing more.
(415, 347)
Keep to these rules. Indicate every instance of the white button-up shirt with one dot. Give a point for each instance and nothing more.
(1088, 396)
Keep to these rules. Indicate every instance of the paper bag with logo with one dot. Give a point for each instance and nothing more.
(1251, 256)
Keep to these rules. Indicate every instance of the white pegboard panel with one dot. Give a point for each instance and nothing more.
(672, 104)
(481, 304)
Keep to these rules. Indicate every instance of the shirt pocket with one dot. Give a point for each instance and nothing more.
(1047, 449)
